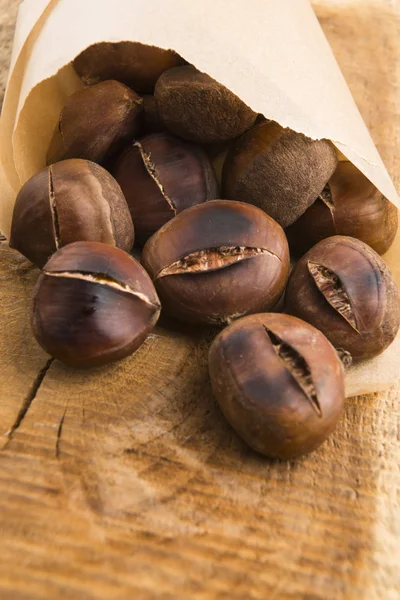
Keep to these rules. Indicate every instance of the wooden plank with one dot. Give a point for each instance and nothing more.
(126, 482)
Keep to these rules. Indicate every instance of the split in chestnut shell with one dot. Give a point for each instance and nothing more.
(93, 304)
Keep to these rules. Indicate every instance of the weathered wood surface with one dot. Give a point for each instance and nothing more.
(126, 482)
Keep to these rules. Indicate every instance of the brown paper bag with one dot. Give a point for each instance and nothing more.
(272, 54)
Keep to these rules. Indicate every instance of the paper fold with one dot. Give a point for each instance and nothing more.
(272, 54)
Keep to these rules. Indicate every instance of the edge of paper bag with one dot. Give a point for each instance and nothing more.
(321, 108)
(31, 17)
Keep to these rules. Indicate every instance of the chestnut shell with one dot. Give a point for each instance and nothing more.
(344, 288)
(96, 122)
(349, 205)
(217, 261)
(197, 108)
(132, 63)
(161, 175)
(93, 304)
(72, 200)
(279, 383)
(278, 170)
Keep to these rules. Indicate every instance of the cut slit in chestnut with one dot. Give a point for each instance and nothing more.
(333, 290)
(298, 367)
(211, 259)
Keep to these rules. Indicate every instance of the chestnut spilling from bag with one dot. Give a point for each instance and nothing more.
(219, 165)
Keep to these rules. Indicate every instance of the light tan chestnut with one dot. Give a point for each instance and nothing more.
(96, 122)
(72, 200)
(344, 288)
(217, 261)
(279, 170)
(279, 383)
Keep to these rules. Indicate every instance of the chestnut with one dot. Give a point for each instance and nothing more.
(96, 122)
(136, 65)
(348, 205)
(198, 108)
(217, 261)
(93, 304)
(151, 120)
(279, 383)
(160, 175)
(72, 200)
(278, 170)
(344, 288)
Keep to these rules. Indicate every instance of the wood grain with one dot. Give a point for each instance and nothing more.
(126, 482)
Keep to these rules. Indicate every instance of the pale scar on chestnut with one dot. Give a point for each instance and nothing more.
(152, 171)
(53, 209)
(102, 279)
(332, 288)
(298, 367)
(211, 259)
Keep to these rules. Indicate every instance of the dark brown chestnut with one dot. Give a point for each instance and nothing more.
(73, 200)
(344, 288)
(279, 170)
(348, 205)
(96, 122)
(93, 304)
(160, 175)
(134, 64)
(279, 383)
(198, 108)
(217, 261)
(151, 120)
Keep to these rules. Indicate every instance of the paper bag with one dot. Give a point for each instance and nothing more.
(272, 54)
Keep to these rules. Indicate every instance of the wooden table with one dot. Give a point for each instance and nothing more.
(126, 482)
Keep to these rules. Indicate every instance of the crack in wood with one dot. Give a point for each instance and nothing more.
(28, 401)
(59, 433)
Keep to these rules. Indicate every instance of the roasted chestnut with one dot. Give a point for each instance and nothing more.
(96, 122)
(279, 170)
(217, 261)
(73, 200)
(134, 64)
(198, 108)
(279, 383)
(343, 287)
(160, 176)
(93, 304)
(348, 205)
(151, 120)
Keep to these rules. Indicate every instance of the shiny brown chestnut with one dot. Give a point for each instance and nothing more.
(344, 288)
(160, 175)
(73, 200)
(136, 65)
(348, 205)
(96, 122)
(198, 108)
(217, 261)
(279, 382)
(278, 170)
(93, 304)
